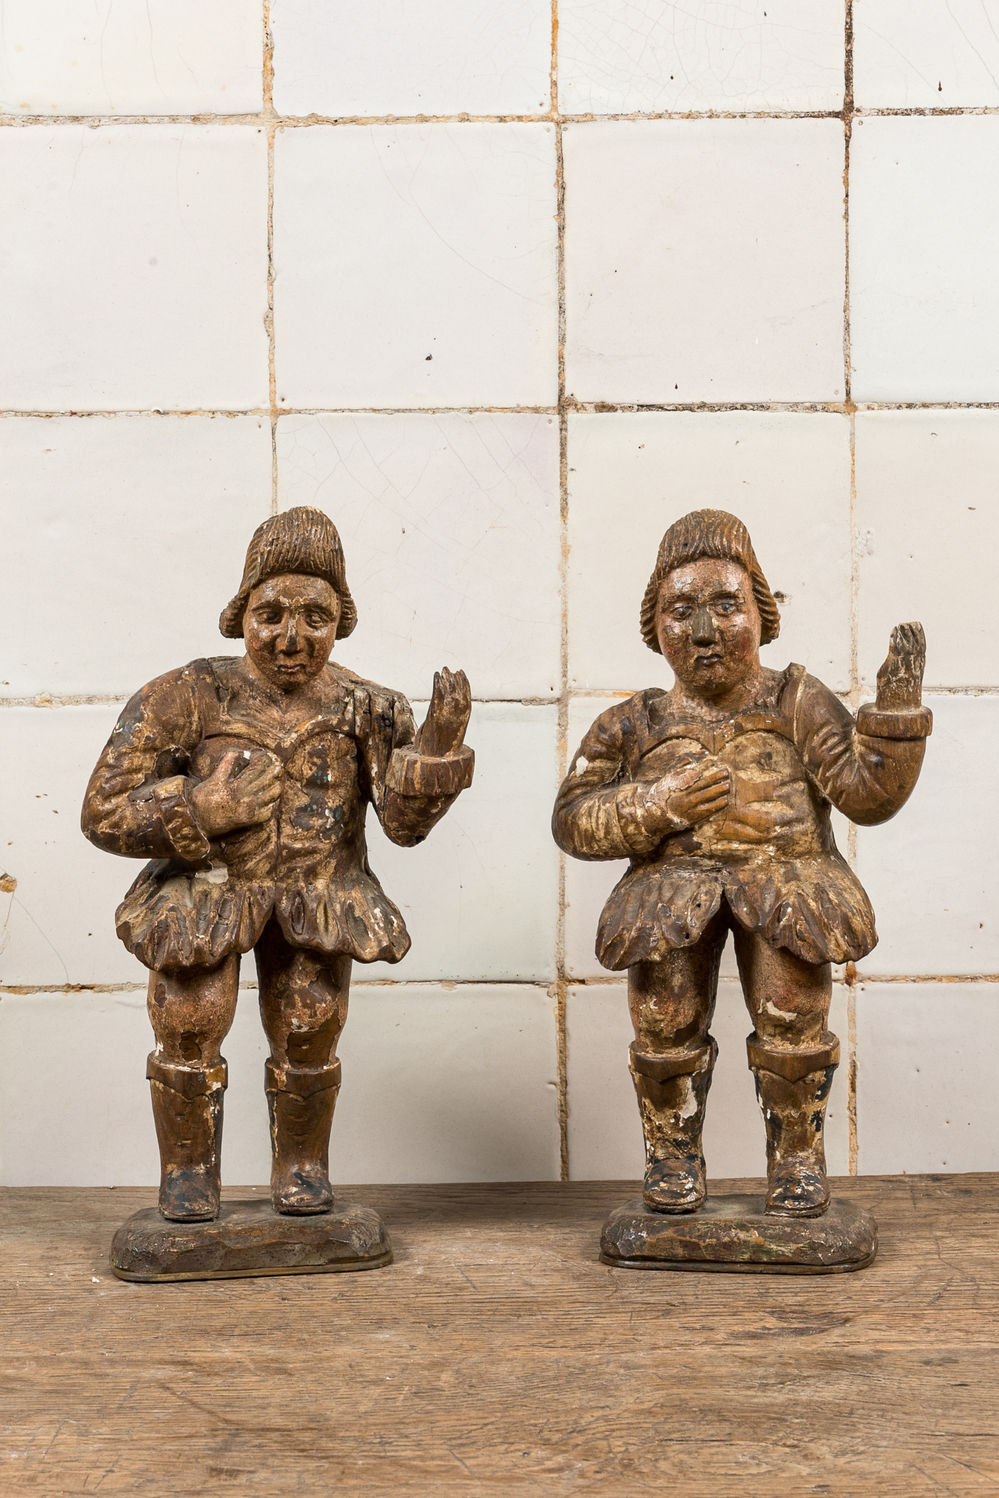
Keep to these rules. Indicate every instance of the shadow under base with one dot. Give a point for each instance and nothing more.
(733, 1235)
(249, 1238)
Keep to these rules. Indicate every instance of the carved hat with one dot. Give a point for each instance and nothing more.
(301, 540)
(716, 534)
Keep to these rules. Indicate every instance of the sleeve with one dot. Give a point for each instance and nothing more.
(137, 801)
(868, 768)
(598, 812)
(409, 791)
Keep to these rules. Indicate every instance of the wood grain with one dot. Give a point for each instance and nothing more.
(497, 1355)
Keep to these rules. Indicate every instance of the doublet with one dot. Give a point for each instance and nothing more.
(200, 900)
(770, 855)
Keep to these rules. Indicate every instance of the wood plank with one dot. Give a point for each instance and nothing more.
(499, 1356)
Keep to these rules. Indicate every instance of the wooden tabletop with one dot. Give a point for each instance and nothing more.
(498, 1356)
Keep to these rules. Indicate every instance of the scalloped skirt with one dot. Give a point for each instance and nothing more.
(170, 919)
(814, 907)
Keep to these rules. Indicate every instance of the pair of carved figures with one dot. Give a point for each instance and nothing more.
(247, 781)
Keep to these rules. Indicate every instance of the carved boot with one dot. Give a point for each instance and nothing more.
(301, 1102)
(793, 1088)
(672, 1091)
(187, 1108)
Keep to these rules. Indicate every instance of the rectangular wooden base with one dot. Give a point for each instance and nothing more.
(733, 1235)
(249, 1238)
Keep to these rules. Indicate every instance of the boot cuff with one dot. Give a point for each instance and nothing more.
(189, 1081)
(673, 1063)
(793, 1066)
(303, 1081)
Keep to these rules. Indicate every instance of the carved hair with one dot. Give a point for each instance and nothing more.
(715, 534)
(301, 540)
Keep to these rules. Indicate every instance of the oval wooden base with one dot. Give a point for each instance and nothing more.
(732, 1234)
(249, 1238)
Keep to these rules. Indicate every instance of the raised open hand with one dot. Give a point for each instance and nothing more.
(900, 680)
(443, 729)
(242, 791)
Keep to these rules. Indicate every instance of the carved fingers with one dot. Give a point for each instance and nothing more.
(443, 729)
(707, 793)
(242, 791)
(900, 679)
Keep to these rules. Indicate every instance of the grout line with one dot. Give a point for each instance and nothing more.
(562, 748)
(568, 406)
(848, 111)
(568, 694)
(269, 118)
(309, 121)
(617, 980)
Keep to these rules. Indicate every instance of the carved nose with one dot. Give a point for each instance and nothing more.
(702, 628)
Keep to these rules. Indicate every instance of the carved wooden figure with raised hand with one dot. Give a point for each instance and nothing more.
(247, 781)
(719, 791)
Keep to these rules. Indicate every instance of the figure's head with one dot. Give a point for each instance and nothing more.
(293, 602)
(708, 607)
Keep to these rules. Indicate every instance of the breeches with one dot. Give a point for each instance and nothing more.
(672, 1001)
(303, 1005)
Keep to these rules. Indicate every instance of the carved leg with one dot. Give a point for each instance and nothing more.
(672, 1091)
(671, 1004)
(303, 1004)
(191, 1012)
(793, 1088)
(793, 1057)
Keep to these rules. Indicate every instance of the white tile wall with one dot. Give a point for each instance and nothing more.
(416, 265)
(605, 1133)
(480, 896)
(379, 57)
(932, 872)
(451, 525)
(924, 245)
(410, 382)
(109, 57)
(926, 1100)
(58, 925)
(787, 475)
(910, 55)
(136, 529)
(928, 526)
(439, 1084)
(704, 260)
(657, 56)
(140, 256)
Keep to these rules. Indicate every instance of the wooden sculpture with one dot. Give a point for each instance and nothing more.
(719, 791)
(246, 780)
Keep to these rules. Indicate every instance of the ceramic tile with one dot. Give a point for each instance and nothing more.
(379, 57)
(912, 56)
(480, 895)
(704, 260)
(655, 56)
(134, 528)
(932, 872)
(415, 265)
(58, 925)
(605, 1135)
(632, 474)
(140, 257)
(924, 244)
(929, 529)
(438, 1085)
(109, 57)
(926, 1097)
(451, 530)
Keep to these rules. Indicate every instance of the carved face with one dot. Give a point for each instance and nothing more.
(289, 627)
(708, 626)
